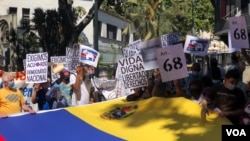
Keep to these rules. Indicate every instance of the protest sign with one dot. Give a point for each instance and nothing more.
(27, 94)
(132, 49)
(88, 56)
(56, 60)
(133, 72)
(148, 53)
(24, 63)
(169, 39)
(172, 62)
(36, 67)
(129, 52)
(19, 79)
(238, 34)
(72, 58)
(135, 46)
(196, 46)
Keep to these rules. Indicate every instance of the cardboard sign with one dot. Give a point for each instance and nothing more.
(37, 67)
(88, 56)
(72, 58)
(196, 46)
(148, 53)
(169, 39)
(172, 63)
(238, 34)
(135, 46)
(133, 72)
(56, 60)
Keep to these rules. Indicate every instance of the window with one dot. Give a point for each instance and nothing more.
(26, 13)
(25, 16)
(230, 8)
(125, 38)
(12, 10)
(245, 7)
(111, 32)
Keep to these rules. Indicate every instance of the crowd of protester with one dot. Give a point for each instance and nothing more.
(220, 89)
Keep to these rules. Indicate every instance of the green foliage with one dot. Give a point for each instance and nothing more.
(169, 16)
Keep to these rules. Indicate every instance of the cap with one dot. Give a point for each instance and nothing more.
(56, 68)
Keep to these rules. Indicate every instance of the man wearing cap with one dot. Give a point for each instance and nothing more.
(82, 87)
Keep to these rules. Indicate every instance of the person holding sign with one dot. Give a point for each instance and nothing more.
(82, 89)
(39, 96)
(11, 100)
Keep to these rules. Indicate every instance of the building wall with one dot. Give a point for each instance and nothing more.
(105, 19)
(44, 4)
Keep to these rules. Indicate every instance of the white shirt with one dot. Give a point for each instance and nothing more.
(85, 96)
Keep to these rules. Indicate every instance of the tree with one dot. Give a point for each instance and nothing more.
(163, 16)
(58, 29)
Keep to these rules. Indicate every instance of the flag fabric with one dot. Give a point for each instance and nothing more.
(172, 119)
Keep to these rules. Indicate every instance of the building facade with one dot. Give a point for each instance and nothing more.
(110, 38)
(229, 8)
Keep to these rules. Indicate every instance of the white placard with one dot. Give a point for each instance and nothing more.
(238, 35)
(169, 39)
(133, 72)
(127, 52)
(135, 46)
(89, 56)
(72, 58)
(196, 46)
(148, 52)
(172, 63)
(56, 60)
(231, 49)
(37, 67)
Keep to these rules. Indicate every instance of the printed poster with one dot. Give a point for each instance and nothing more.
(237, 33)
(172, 63)
(37, 67)
(196, 46)
(88, 56)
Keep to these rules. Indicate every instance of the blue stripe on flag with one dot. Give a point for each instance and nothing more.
(51, 126)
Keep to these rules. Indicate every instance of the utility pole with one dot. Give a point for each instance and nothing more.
(96, 31)
(193, 17)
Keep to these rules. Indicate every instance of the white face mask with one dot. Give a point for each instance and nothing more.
(230, 86)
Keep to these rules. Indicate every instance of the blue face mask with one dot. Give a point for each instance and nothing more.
(11, 84)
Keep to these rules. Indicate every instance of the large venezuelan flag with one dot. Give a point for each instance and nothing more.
(158, 119)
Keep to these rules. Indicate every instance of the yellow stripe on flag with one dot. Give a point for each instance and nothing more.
(159, 119)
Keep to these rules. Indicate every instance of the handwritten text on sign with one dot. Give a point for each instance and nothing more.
(72, 58)
(169, 39)
(172, 63)
(238, 32)
(133, 72)
(36, 67)
(56, 60)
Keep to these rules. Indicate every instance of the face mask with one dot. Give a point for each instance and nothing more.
(66, 79)
(11, 84)
(230, 86)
